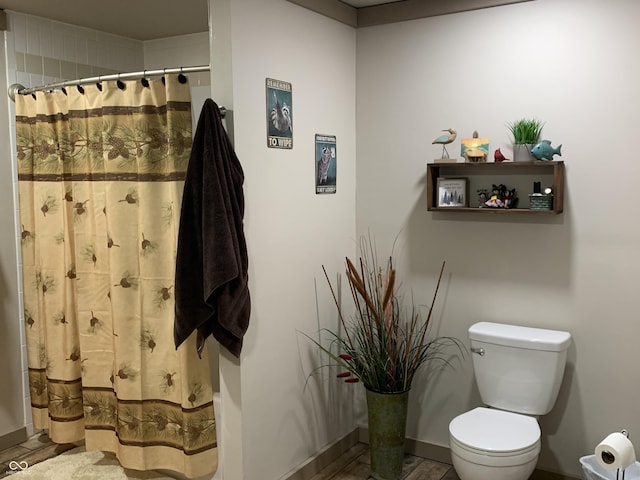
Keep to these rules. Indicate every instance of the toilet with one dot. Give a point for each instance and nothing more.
(518, 371)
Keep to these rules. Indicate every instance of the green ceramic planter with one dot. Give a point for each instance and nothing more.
(387, 427)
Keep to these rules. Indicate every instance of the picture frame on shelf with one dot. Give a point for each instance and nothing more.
(474, 150)
(452, 193)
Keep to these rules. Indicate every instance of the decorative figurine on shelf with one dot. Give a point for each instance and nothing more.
(502, 197)
(483, 195)
(544, 150)
(444, 140)
(540, 201)
(474, 150)
(495, 201)
(499, 157)
(510, 199)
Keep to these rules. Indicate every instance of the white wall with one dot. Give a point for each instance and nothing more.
(574, 65)
(291, 232)
(183, 51)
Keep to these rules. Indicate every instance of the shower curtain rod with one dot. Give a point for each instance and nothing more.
(17, 89)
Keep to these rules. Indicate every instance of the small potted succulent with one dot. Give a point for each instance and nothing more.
(526, 133)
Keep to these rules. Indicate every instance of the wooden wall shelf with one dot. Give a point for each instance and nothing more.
(518, 175)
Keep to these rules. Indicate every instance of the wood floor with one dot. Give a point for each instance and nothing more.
(352, 465)
(355, 465)
(37, 449)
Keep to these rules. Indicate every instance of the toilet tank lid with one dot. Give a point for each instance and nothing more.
(521, 337)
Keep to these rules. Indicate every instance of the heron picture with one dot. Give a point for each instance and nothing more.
(279, 114)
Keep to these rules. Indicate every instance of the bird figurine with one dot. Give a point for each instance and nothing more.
(498, 156)
(444, 140)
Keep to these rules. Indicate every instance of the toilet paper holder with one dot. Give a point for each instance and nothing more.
(608, 457)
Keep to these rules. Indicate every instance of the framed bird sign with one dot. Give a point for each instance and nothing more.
(279, 114)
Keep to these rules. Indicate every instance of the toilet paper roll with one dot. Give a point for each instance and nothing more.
(615, 451)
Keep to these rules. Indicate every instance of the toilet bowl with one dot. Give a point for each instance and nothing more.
(518, 371)
(489, 444)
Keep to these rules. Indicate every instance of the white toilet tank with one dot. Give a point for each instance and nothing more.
(518, 369)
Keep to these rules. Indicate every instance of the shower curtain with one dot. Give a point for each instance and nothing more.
(101, 170)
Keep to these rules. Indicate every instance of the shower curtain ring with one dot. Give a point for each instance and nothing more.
(181, 78)
(121, 85)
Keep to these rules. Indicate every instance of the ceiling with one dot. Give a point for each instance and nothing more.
(139, 19)
(168, 18)
(367, 3)
(150, 19)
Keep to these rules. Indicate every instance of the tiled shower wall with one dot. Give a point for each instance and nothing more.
(42, 51)
(47, 51)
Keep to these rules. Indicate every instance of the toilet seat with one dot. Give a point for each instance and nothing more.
(495, 437)
(495, 431)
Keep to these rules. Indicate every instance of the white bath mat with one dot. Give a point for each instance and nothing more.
(78, 464)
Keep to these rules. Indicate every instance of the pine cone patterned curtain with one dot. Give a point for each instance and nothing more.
(101, 174)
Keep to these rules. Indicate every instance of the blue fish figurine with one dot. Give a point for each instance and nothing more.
(544, 150)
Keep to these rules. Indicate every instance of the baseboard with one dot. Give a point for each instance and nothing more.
(429, 451)
(323, 458)
(13, 438)
(437, 453)
(441, 454)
